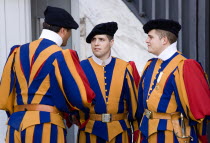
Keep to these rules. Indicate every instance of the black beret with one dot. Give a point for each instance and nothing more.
(108, 28)
(163, 24)
(59, 17)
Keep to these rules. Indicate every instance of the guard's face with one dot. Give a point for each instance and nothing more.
(67, 34)
(101, 46)
(154, 43)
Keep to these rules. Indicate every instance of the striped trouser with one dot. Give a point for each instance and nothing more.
(164, 137)
(40, 133)
(84, 137)
(161, 137)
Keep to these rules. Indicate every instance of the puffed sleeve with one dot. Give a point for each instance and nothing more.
(198, 95)
(133, 79)
(135, 73)
(72, 80)
(7, 84)
(197, 89)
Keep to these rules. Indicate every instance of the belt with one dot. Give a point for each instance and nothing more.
(37, 107)
(182, 132)
(157, 115)
(108, 117)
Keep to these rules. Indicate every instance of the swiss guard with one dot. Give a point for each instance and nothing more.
(174, 96)
(114, 81)
(41, 82)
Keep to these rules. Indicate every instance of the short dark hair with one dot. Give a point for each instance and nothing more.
(51, 27)
(110, 37)
(163, 33)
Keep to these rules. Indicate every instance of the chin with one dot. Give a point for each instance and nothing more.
(63, 44)
(148, 50)
(96, 54)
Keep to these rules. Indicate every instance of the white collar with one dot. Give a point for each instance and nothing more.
(168, 52)
(50, 35)
(99, 61)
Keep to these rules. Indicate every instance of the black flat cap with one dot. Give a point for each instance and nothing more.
(59, 17)
(108, 28)
(163, 24)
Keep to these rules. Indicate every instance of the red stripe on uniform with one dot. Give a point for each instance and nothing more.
(135, 73)
(38, 70)
(89, 91)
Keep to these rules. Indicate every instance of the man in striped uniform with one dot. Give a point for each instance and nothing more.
(112, 80)
(173, 90)
(40, 81)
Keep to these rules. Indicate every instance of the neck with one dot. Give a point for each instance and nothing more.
(168, 52)
(105, 57)
(50, 35)
(164, 47)
(102, 62)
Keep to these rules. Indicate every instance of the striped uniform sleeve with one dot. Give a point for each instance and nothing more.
(72, 81)
(7, 84)
(133, 92)
(133, 79)
(135, 73)
(198, 93)
(140, 108)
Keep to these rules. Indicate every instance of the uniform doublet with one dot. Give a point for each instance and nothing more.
(37, 73)
(116, 93)
(170, 88)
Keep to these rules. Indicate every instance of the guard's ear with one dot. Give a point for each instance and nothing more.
(62, 32)
(111, 42)
(164, 40)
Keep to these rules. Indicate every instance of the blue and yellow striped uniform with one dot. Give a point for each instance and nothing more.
(41, 72)
(163, 89)
(116, 93)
